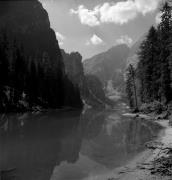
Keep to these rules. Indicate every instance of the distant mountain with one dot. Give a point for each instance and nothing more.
(133, 57)
(108, 65)
(90, 86)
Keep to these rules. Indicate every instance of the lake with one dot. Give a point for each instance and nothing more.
(70, 145)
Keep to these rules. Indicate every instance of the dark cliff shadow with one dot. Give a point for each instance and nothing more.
(31, 145)
(89, 127)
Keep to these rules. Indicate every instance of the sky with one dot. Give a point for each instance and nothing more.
(93, 26)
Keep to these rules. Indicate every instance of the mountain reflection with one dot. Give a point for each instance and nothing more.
(119, 140)
(69, 145)
(33, 149)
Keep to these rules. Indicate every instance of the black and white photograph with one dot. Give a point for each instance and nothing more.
(85, 89)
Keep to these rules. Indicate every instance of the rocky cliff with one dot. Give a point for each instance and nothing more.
(28, 22)
(74, 67)
(28, 43)
(90, 86)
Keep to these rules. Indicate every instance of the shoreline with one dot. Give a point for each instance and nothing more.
(142, 166)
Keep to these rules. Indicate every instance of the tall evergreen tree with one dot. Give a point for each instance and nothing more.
(131, 87)
(154, 69)
(147, 67)
(4, 68)
(164, 30)
(4, 61)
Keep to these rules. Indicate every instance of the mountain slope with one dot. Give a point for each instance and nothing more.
(133, 57)
(33, 58)
(90, 86)
(107, 65)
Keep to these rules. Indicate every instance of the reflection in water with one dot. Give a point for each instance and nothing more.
(68, 145)
(33, 149)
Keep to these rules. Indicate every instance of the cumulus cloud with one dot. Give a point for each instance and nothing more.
(146, 6)
(125, 39)
(94, 40)
(118, 13)
(60, 38)
(44, 4)
(86, 16)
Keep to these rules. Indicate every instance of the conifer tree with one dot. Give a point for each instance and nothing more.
(131, 87)
(164, 30)
(147, 67)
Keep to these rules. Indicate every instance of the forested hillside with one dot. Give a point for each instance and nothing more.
(31, 65)
(153, 75)
(109, 65)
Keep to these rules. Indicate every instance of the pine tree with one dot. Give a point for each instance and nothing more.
(169, 46)
(164, 30)
(4, 69)
(4, 61)
(131, 89)
(154, 69)
(147, 67)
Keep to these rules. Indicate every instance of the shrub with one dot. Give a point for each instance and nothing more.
(155, 106)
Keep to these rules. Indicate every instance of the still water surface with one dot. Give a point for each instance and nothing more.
(70, 145)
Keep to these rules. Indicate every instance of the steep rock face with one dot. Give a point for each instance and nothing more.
(74, 67)
(25, 26)
(90, 86)
(106, 66)
(28, 22)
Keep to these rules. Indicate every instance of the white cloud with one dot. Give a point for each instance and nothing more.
(158, 18)
(60, 38)
(94, 40)
(118, 13)
(86, 16)
(146, 6)
(44, 4)
(125, 39)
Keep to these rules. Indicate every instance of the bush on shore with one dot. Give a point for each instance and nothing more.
(156, 107)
